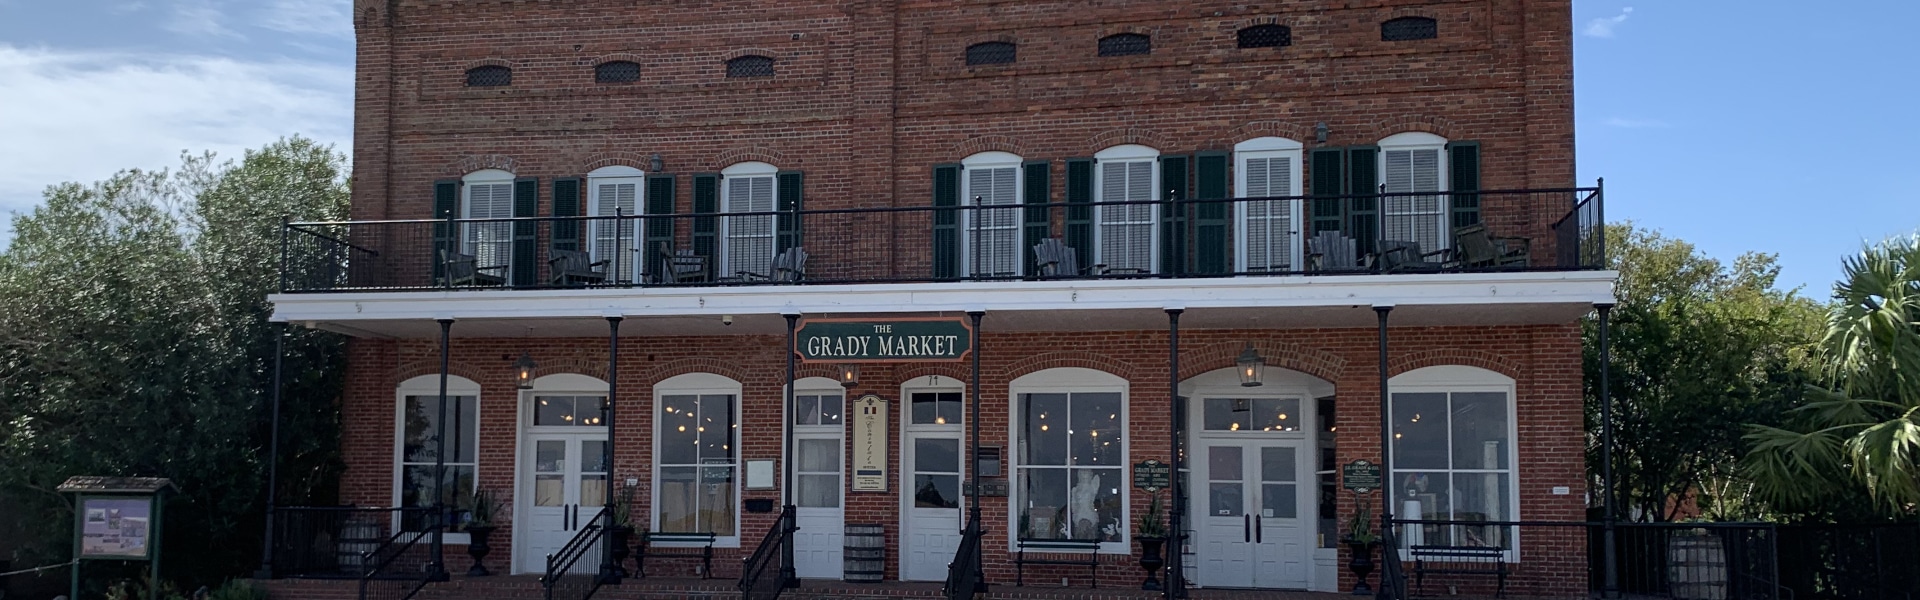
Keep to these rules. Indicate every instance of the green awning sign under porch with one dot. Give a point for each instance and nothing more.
(929, 339)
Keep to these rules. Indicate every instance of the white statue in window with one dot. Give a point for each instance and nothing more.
(1085, 517)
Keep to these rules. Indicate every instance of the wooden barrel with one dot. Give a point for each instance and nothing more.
(865, 553)
(358, 536)
(1696, 566)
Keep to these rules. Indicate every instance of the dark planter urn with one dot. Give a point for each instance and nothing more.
(1150, 561)
(1361, 565)
(621, 537)
(479, 549)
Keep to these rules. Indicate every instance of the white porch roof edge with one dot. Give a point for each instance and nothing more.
(1402, 290)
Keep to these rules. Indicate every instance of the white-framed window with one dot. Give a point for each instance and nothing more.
(488, 195)
(613, 191)
(1070, 457)
(1410, 163)
(747, 242)
(1268, 230)
(819, 423)
(992, 236)
(1126, 238)
(419, 437)
(1453, 455)
(697, 467)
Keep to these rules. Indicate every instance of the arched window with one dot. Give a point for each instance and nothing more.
(615, 190)
(697, 462)
(1268, 230)
(1070, 462)
(1266, 36)
(1125, 44)
(489, 76)
(619, 71)
(993, 242)
(1409, 28)
(750, 66)
(747, 242)
(421, 434)
(991, 53)
(1411, 163)
(1454, 456)
(1126, 237)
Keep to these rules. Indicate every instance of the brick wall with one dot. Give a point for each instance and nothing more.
(1543, 360)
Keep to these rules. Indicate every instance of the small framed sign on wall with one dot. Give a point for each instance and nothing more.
(870, 444)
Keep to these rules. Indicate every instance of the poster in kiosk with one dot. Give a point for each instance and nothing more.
(117, 518)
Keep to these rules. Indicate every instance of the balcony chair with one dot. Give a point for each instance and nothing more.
(1478, 249)
(1399, 256)
(679, 266)
(573, 267)
(1330, 251)
(1056, 259)
(790, 266)
(464, 270)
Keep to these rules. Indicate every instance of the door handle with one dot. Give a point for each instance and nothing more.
(1259, 533)
(1246, 528)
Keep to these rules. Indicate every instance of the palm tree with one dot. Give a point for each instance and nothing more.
(1863, 428)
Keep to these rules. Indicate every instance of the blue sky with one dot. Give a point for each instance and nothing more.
(1736, 125)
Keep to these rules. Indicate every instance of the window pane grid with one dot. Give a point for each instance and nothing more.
(1265, 36)
(1071, 466)
(697, 464)
(990, 53)
(750, 66)
(619, 71)
(1443, 446)
(1125, 44)
(420, 440)
(489, 76)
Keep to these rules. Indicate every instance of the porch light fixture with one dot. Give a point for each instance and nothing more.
(656, 164)
(849, 375)
(525, 367)
(1320, 132)
(1252, 367)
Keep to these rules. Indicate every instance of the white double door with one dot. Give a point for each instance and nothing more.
(1252, 509)
(563, 485)
(932, 476)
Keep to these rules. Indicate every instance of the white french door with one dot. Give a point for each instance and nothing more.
(932, 472)
(1253, 523)
(993, 235)
(1269, 230)
(819, 485)
(614, 240)
(562, 487)
(1414, 218)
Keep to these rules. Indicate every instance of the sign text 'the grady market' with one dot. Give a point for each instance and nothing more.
(896, 340)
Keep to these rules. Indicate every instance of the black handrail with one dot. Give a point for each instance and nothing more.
(1393, 576)
(561, 563)
(761, 578)
(964, 576)
(387, 578)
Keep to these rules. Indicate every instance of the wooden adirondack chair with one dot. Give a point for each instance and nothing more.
(1397, 256)
(1056, 259)
(679, 266)
(464, 270)
(573, 267)
(790, 266)
(1331, 251)
(1479, 249)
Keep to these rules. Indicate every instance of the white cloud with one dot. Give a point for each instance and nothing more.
(329, 18)
(198, 18)
(1603, 27)
(81, 116)
(1628, 123)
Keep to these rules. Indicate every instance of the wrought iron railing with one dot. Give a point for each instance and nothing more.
(964, 576)
(570, 574)
(1850, 562)
(1490, 230)
(332, 542)
(1393, 574)
(765, 574)
(1680, 561)
(403, 564)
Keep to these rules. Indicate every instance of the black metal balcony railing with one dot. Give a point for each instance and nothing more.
(1524, 230)
(333, 542)
(1677, 561)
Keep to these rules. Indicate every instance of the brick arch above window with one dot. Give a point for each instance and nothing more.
(750, 154)
(456, 371)
(1054, 360)
(1439, 126)
(703, 365)
(1128, 135)
(1223, 355)
(987, 143)
(992, 53)
(1401, 29)
(1463, 357)
(637, 160)
(751, 65)
(481, 162)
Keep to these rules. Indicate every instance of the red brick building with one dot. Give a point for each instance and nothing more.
(1278, 177)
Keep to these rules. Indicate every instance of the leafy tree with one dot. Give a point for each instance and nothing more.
(134, 341)
(1699, 348)
(1861, 429)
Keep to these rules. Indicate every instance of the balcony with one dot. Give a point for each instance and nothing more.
(1376, 234)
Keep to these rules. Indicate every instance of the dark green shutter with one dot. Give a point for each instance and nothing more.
(706, 229)
(1329, 182)
(1212, 221)
(787, 197)
(1363, 211)
(1174, 186)
(1463, 175)
(1079, 232)
(946, 221)
(526, 238)
(446, 203)
(566, 203)
(660, 187)
(1037, 178)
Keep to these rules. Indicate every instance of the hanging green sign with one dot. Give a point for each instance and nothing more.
(935, 339)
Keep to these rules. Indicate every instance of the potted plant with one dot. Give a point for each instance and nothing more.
(479, 527)
(1152, 535)
(621, 535)
(1360, 540)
